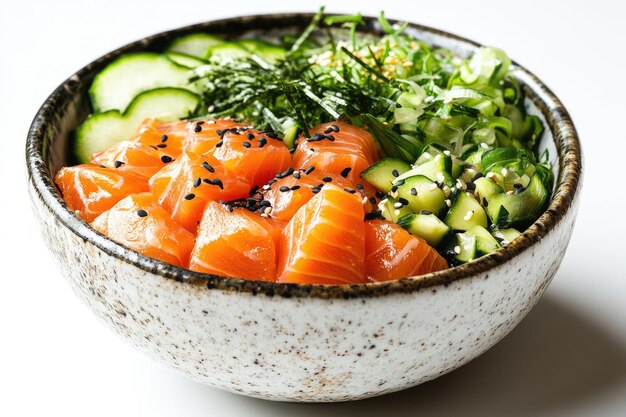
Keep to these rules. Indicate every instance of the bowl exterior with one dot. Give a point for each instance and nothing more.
(299, 348)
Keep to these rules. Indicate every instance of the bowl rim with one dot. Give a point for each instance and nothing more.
(557, 118)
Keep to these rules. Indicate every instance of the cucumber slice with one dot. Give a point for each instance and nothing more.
(185, 60)
(267, 51)
(518, 209)
(422, 194)
(103, 130)
(389, 211)
(486, 188)
(290, 132)
(466, 213)
(426, 226)
(485, 242)
(226, 51)
(115, 86)
(506, 236)
(195, 44)
(382, 174)
(437, 169)
(466, 247)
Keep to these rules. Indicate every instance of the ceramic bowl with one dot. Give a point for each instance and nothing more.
(301, 342)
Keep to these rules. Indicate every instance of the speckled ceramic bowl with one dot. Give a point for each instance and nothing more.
(301, 342)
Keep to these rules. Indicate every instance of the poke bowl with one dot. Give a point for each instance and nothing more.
(302, 341)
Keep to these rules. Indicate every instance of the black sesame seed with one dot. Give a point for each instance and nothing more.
(118, 164)
(272, 135)
(470, 186)
(335, 128)
(291, 151)
(372, 215)
(218, 182)
(250, 136)
(327, 179)
(349, 190)
(198, 128)
(295, 187)
(284, 189)
(372, 200)
(162, 145)
(197, 182)
(246, 144)
(395, 173)
(345, 172)
(164, 138)
(200, 122)
(165, 159)
(265, 203)
(154, 147)
(309, 170)
(426, 212)
(230, 208)
(208, 167)
(284, 174)
(394, 188)
(315, 190)
(328, 130)
(190, 196)
(518, 185)
(485, 202)
(477, 176)
(413, 191)
(359, 187)
(330, 138)
(142, 213)
(220, 132)
(380, 195)
(219, 144)
(403, 201)
(102, 166)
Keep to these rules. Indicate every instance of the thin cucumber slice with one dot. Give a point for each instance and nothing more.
(290, 132)
(485, 242)
(102, 130)
(383, 173)
(422, 194)
(466, 213)
(438, 169)
(390, 210)
(506, 236)
(185, 60)
(486, 188)
(426, 226)
(267, 51)
(131, 74)
(466, 247)
(226, 51)
(195, 44)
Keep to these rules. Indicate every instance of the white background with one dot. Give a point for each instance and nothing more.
(568, 357)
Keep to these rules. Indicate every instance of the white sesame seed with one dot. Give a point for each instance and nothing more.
(394, 194)
(460, 184)
(490, 175)
(448, 202)
(383, 201)
(469, 215)
(437, 157)
(440, 177)
(509, 192)
(457, 249)
(446, 152)
(433, 186)
(504, 172)
(396, 213)
(397, 205)
(484, 145)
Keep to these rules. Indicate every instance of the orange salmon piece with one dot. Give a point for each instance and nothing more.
(392, 253)
(185, 186)
(141, 224)
(235, 243)
(324, 242)
(90, 190)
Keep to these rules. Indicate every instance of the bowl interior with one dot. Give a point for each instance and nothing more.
(51, 134)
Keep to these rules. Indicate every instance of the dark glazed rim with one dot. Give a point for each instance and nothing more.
(558, 120)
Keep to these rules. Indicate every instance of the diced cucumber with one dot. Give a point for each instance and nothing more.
(466, 213)
(226, 51)
(115, 86)
(437, 169)
(518, 209)
(422, 194)
(466, 247)
(382, 174)
(506, 236)
(389, 211)
(486, 188)
(269, 52)
(426, 226)
(290, 132)
(195, 44)
(185, 60)
(485, 242)
(103, 130)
